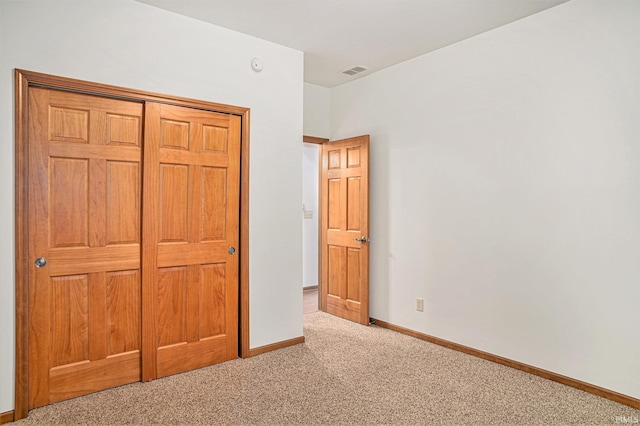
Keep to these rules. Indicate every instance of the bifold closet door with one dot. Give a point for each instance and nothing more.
(84, 244)
(191, 234)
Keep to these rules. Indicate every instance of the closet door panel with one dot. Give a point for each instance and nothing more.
(191, 221)
(84, 229)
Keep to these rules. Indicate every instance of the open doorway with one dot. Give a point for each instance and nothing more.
(336, 226)
(310, 224)
(311, 167)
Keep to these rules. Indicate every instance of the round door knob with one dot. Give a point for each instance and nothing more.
(40, 262)
(232, 250)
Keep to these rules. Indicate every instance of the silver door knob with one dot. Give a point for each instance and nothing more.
(362, 239)
(232, 250)
(40, 262)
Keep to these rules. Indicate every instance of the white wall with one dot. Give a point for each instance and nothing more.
(316, 111)
(125, 43)
(317, 124)
(310, 194)
(505, 190)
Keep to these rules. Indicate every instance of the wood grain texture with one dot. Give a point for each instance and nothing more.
(174, 359)
(69, 320)
(96, 259)
(353, 157)
(172, 300)
(353, 204)
(215, 139)
(214, 196)
(39, 290)
(120, 134)
(123, 130)
(353, 274)
(243, 329)
(112, 153)
(193, 304)
(175, 134)
(313, 139)
(36, 78)
(97, 321)
(344, 260)
(343, 307)
(321, 215)
(68, 221)
(197, 215)
(150, 197)
(122, 206)
(98, 200)
(123, 321)
(21, 389)
(333, 205)
(212, 298)
(212, 159)
(586, 387)
(275, 346)
(194, 253)
(336, 270)
(173, 207)
(83, 378)
(69, 125)
(7, 417)
(69, 202)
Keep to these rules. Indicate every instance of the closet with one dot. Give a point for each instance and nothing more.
(133, 239)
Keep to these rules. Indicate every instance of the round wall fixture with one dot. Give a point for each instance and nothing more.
(256, 64)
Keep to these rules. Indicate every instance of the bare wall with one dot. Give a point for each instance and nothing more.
(316, 111)
(505, 190)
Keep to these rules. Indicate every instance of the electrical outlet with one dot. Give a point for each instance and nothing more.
(419, 305)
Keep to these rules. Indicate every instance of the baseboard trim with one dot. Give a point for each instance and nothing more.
(277, 345)
(310, 288)
(6, 417)
(586, 387)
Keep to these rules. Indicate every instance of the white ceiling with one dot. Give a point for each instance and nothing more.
(336, 35)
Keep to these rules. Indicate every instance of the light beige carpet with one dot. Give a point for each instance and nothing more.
(345, 373)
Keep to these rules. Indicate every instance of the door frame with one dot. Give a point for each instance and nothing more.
(319, 142)
(23, 81)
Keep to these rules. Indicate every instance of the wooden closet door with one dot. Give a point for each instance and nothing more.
(191, 231)
(84, 221)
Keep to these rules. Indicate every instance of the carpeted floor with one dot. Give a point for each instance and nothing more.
(345, 373)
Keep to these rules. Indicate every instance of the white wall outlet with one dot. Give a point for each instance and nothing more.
(419, 305)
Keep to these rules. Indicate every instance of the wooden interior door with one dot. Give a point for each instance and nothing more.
(84, 222)
(345, 228)
(191, 231)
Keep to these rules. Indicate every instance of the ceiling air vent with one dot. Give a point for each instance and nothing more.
(355, 70)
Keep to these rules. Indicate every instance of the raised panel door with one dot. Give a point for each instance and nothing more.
(84, 210)
(345, 229)
(191, 221)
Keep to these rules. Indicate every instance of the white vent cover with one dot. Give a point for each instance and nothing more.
(355, 70)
